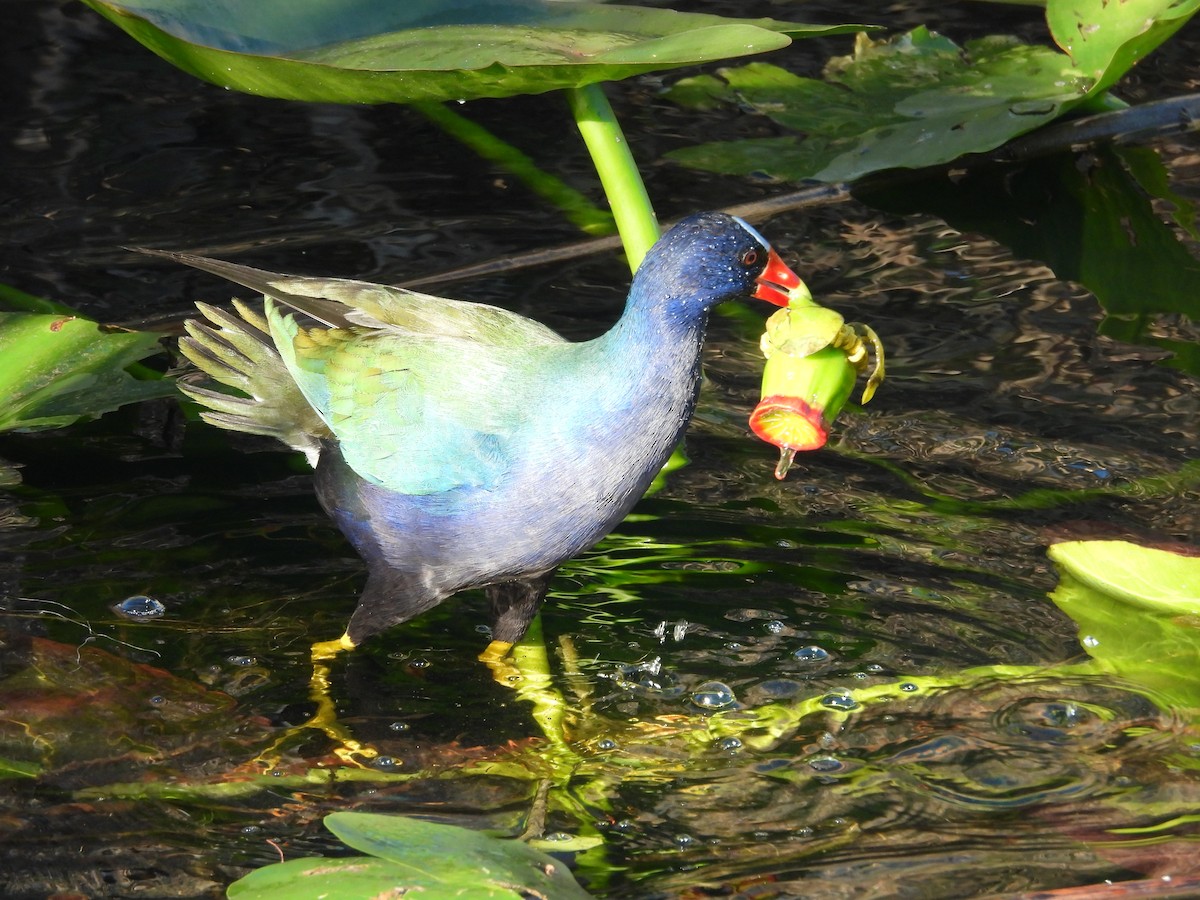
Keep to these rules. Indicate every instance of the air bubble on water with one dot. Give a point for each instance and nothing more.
(559, 836)
(139, 606)
(684, 840)
(810, 654)
(729, 744)
(251, 829)
(606, 744)
(384, 762)
(775, 626)
(398, 726)
(713, 695)
(1064, 715)
(839, 700)
(908, 687)
(826, 764)
(238, 660)
(1090, 640)
(419, 664)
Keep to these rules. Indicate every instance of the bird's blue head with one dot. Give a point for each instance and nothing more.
(709, 258)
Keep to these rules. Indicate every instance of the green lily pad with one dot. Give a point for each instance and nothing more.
(1159, 582)
(356, 51)
(1138, 611)
(426, 859)
(914, 101)
(1106, 39)
(55, 370)
(919, 100)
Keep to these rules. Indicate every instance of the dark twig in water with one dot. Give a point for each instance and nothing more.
(816, 195)
(1134, 124)
(535, 825)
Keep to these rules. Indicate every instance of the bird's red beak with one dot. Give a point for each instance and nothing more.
(776, 280)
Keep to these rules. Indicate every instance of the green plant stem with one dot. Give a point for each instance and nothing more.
(618, 172)
(537, 687)
(582, 213)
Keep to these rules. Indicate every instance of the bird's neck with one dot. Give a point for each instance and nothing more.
(656, 344)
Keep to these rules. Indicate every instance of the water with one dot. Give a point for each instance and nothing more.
(897, 554)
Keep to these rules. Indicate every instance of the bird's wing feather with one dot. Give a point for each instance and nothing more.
(343, 302)
(423, 394)
(416, 414)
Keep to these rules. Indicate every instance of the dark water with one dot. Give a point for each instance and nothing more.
(910, 547)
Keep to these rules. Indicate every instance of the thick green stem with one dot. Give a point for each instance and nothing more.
(618, 172)
(575, 206)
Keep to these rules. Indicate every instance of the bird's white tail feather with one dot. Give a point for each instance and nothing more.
(237, 351)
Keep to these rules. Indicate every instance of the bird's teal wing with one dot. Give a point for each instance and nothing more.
(414, 413)
(377, 305)
(343, 302)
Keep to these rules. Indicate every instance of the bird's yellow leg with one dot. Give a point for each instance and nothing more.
(324, 717)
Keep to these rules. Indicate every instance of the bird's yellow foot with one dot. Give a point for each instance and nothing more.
(496, 658)
(525, 668)
(324, 717)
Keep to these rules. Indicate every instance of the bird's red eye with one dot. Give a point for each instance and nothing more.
(750, 257)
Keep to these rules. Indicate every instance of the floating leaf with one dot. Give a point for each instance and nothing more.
(356, 51)
(55, 370)
(919, 100)
(433, 861)
(1105, 40)
(915, 101)
(1138, 611)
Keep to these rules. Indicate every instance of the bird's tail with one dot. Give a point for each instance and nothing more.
(240, 354)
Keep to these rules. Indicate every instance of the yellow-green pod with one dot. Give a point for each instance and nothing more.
(801, 396)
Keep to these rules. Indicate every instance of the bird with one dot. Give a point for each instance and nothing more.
(459, 445)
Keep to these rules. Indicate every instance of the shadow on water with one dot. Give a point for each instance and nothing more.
(1018, 410)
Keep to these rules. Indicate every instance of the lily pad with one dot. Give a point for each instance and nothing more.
(1105, 40)
(427, 859)
(914, 101)
(1138, 611)
(433, 50)
(57, 369)
(919, 100)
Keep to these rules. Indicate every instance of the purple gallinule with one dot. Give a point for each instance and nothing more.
(458, 445)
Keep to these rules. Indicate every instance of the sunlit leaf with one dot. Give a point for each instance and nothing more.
(55, 370)
(1138, 611)
(1156, 581)
(354, 51)
(918, 100)
(412, 856)
(1106, 39)
(915, 101)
